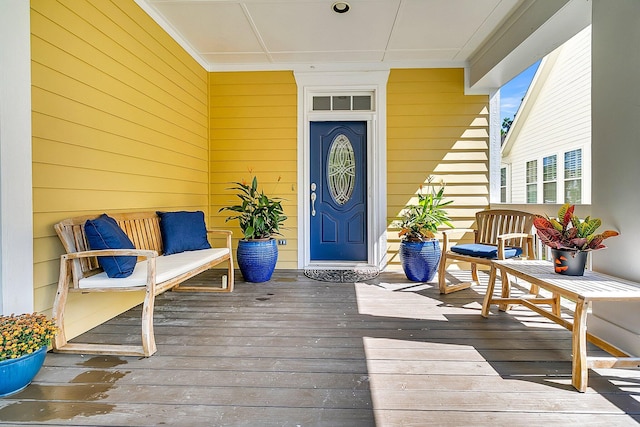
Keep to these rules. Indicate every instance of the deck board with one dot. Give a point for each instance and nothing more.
(296, 352)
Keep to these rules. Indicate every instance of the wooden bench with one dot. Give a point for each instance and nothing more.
(581, 290)
(498, 228)
(154, 273)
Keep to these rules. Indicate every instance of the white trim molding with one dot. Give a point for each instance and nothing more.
(374, 82)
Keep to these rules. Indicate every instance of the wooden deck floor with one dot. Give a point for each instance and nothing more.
(298, 352)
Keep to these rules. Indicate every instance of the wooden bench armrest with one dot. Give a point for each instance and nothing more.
(111, 252)
(226, 233)
(149, 255)
(457, 230)
(503, 237)
(445, 236)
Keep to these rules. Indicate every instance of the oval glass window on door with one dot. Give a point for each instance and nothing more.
(341, 169)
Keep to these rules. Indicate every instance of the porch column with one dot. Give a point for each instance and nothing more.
(615, 164)
(16, 211)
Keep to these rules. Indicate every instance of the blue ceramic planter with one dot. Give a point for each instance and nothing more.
(16, 374)
(420, 259)
(257, 259)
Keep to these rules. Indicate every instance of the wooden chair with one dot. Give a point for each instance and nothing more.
(499, 234)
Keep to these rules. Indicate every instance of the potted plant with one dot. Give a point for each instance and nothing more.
(419, 249)
(260, 217)
(24, 340)
(570, 239)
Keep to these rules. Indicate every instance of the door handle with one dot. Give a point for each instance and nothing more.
(313, 199)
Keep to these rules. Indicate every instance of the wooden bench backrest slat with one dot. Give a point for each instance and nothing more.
(143, 232)
(143, 228)
(88, 264)
(494, 222)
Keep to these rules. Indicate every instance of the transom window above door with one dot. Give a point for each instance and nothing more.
(355, 102)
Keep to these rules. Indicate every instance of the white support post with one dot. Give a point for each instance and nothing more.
(16, 210)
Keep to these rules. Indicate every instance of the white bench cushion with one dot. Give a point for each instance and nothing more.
(167, 267)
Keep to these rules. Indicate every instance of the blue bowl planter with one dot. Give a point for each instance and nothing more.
(16, 374)
(257, 259)
(420, 259)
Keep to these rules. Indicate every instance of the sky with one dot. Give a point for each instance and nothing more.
(511, 94)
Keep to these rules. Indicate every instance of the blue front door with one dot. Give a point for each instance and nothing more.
(338, 173)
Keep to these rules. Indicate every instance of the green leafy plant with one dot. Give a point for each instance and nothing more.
(24, 334)
(568, 232)
(420, 222)
(259, 216)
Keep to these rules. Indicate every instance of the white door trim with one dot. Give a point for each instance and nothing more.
(310, 83)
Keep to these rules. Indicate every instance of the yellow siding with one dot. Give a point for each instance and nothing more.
(120, 123)
(253, 132)
(433, 128)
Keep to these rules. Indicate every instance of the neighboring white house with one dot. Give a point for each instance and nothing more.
(546, 155)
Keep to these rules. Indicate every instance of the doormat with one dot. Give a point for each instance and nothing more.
(353, 275)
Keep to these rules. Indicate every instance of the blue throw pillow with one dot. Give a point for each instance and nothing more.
(104, 233)
(183, 231)
(485, 251)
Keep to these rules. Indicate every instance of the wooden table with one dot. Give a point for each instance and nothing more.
(582, 290)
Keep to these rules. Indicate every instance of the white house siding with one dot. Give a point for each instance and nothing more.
(554, 118)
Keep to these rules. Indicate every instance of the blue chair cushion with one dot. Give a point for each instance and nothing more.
(183, 231)
(485, 251)
(104, 233)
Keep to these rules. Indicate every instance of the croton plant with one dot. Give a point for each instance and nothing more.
(568, 232)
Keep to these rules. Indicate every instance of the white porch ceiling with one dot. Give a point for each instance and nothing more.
(308, 34)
